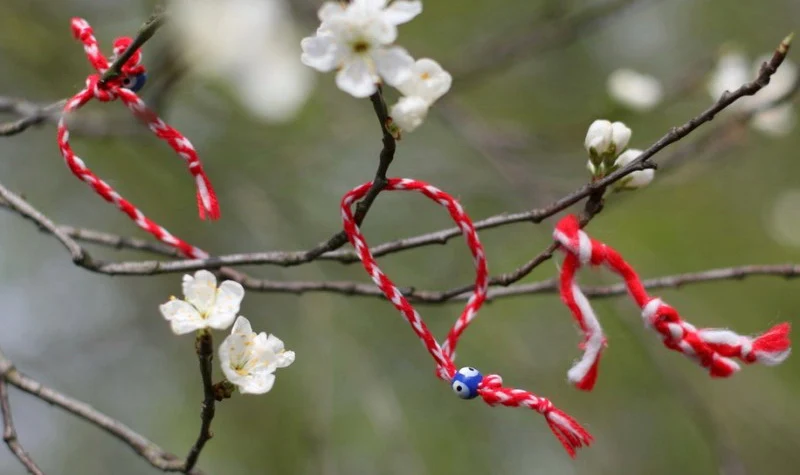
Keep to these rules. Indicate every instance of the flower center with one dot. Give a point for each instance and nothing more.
(360, 46)
(425, 75)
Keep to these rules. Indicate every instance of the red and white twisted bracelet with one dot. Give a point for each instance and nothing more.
(123, 87)
(467, 382)
(711, 348)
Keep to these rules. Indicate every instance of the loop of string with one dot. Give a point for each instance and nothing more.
(713, 349)
(489, 388)
(115, 89)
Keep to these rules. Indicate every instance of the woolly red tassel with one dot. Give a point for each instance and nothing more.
(773, 346)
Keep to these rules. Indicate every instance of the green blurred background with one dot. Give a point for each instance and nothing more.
(361, 397)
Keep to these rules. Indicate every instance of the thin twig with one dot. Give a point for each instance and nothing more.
(156, 456)
(205, 353)
(548, 286)
(10, 433)
(295, 258)
(32, 114)
(326, 250)
(146, 31)
(24, 209)
(378, 183)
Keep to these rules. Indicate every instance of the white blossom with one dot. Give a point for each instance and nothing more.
(605, 139)
(634, 90)
(637, 179)
(732, 71)
(355, 39)
(205, 304)
(250, 45)
(427, 81)
(249, 360)
(409, 112)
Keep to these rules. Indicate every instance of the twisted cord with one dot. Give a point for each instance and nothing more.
(713, 349)
(466, 382)
(122, 87)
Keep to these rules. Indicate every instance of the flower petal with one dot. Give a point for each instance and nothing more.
(258, 383)
(641, 178)
(409, 112)
(428, 80)
(200, 290)
(402, 11)
(393, 64)
(369, 4)
(356, 79)
(241, 325)
(231, 346)
(328, 10)
(320, 52)
(273, 343)
(226, 306)
(285, 359)
(182, 316)
(627, 157)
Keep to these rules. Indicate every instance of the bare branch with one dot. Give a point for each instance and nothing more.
(205, 353)
(156, 456)
(295, 258)
(10, 433)
(24, 209)
(32, 114)
(146, 31)
(378, 183)
(549, 286)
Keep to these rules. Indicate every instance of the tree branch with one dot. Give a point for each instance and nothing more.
(10, 433)
(378, 183)
(146, 31)
(33, 114)
(205, 354)
(156, 456)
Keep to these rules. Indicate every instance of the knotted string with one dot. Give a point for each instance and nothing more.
(711, 348)
(466, 382)
(122, 87)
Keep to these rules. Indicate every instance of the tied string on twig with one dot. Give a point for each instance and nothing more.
(711, 348)
(124, 86)
(466, 382)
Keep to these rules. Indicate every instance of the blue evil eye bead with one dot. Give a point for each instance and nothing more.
(134, 83)
(465, 382)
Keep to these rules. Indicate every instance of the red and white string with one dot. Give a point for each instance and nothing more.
(713, 349)
(571, 435)
(109, 91)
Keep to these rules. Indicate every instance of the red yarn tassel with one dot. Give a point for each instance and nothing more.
(773, 347)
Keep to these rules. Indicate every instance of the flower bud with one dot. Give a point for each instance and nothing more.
(604, 140)
(410, 112)
(635, 180)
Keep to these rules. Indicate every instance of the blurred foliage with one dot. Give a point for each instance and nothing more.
(362, 397)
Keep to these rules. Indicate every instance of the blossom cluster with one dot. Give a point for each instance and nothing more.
(248, 360)
(606, 144)
(356, 39)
